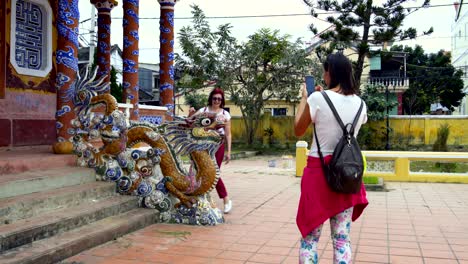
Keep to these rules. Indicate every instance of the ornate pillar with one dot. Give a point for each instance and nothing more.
(104, 8)
(67, 68)
(166, 56)
(130, 55)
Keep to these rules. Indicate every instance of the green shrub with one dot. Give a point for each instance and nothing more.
(370, 180)
(441, 145)
(268, 132)
(196, 100)
(442, 136)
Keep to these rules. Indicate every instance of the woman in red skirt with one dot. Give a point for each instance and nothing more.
(318, 202)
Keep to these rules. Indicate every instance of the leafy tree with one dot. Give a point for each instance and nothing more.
(362, 23)
(268, 66)
(377, 105)
(432, 79)
(207, 57)
(196, 100)
(376, 102)
(116, 89)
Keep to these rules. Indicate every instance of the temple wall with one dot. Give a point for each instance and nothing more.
(27, 111)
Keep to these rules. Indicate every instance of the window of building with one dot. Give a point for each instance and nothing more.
(279, 112)
(156, 83)
(31, 37)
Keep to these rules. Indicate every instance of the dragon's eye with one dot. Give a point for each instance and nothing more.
(206, 122)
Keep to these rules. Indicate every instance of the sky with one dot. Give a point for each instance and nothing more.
(441, 18)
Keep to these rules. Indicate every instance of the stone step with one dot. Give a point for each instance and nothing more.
(35, 204)
(41, 180)
(23, 159)
(47, 225)
(67, 244)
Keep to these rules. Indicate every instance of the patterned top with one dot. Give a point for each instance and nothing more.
(222, 116)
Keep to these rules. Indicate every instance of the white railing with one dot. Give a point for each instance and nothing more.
(391, 82)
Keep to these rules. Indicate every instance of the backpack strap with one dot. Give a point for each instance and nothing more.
(356, 118)
(322, 161)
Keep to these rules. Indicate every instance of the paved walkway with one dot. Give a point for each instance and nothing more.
(411, 223)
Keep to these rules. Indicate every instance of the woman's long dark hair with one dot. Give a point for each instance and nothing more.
(341, 73)
(216, 90)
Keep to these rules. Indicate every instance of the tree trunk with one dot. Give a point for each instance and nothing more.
(250, 131)
(251, 126)
(364, 45)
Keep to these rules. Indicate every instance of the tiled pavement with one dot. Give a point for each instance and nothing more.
(410, 223)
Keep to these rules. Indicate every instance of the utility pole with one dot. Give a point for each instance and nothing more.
(387, 145)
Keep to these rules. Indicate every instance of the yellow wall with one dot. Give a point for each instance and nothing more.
(422, 130)
(283, 130)
(182, 108)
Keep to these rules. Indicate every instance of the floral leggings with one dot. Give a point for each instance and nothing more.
(340, 226)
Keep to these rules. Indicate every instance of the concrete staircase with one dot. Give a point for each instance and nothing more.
(52, 211)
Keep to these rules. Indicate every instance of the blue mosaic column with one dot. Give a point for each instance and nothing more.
(166, 56)
(67, 67)
(104, 8)
(130, 55)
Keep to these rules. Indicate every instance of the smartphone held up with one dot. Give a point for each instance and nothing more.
(310, 84)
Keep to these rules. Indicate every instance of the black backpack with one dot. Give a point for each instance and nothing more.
(344, 171)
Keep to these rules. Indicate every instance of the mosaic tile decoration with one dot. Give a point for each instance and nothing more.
(29, 50)
(157, 120)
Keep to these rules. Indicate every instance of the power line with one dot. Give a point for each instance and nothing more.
(285, 15)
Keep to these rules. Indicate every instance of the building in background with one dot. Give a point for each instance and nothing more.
(116, 59)
(460, 49)
(390, 72)
(148, 82)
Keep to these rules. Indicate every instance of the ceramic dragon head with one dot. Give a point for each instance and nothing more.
(200, 132)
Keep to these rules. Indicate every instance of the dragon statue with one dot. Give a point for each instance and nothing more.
(144, 159)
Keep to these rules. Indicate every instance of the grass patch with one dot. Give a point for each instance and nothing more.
(432, 166)
(370, 180)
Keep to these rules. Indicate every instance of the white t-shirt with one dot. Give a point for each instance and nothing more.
(221, 115)
(329, 131)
